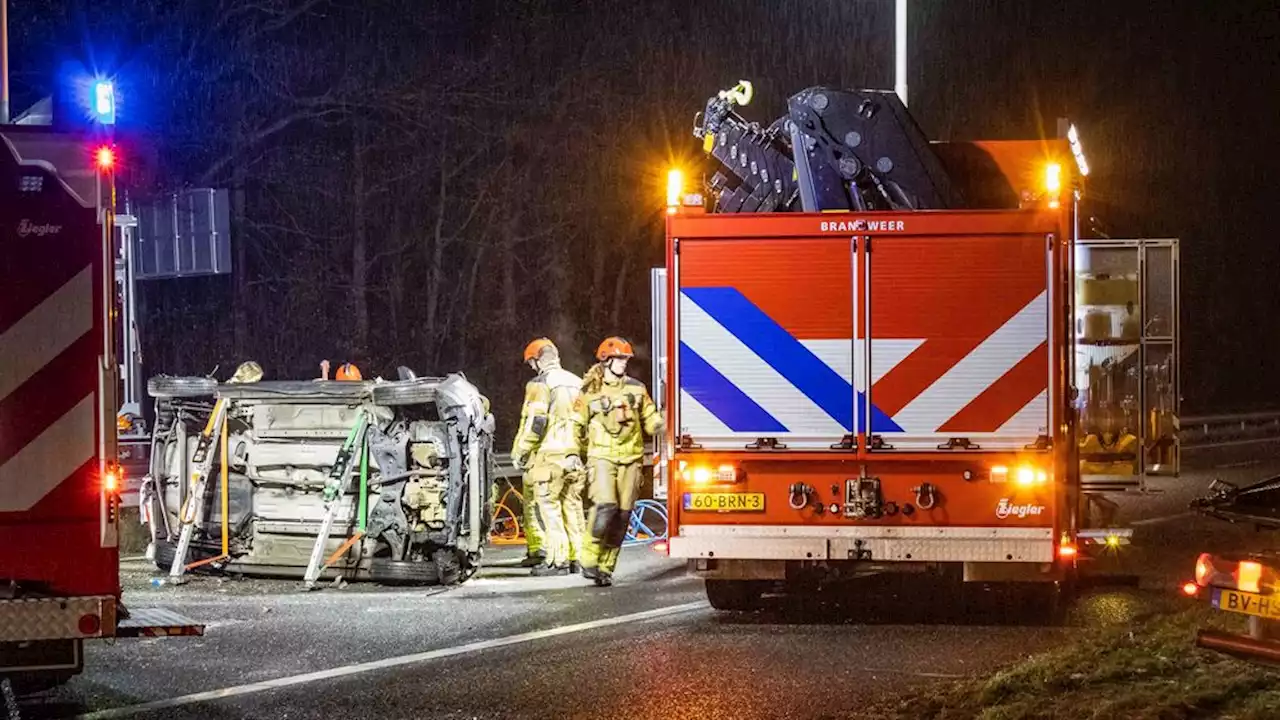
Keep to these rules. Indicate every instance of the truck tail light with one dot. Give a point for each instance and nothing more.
(1024, 475)
(701, 475)
(1190, 589)
(111, 481)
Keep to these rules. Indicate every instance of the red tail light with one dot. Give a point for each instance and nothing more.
(1204, 569)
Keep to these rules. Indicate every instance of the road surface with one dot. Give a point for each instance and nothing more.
(505, 645)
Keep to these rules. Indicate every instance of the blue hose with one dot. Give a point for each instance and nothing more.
(645, 517)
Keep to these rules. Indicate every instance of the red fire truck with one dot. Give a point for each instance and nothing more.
(59, 480)
(870, 349)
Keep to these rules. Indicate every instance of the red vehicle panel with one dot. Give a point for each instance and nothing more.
(52, 439)
(814, 356)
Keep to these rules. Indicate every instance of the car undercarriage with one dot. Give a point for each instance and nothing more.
(417, 509)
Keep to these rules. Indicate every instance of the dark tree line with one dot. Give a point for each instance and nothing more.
(434, 183)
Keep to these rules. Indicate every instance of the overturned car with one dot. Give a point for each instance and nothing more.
(414, 456)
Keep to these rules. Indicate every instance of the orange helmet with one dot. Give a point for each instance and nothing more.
(348, 372)
(535, 348)
(614, 347)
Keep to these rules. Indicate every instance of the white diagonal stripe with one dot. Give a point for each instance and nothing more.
(42, 334)
(752, 375)
(694, 415)
(846, 356)
(45, 462)
(1031, 420)
(978, 370)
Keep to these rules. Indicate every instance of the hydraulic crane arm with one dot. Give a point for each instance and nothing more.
(833, 150)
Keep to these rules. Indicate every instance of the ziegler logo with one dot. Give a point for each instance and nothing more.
(26, 228)
(861, 225)
(1007, 509)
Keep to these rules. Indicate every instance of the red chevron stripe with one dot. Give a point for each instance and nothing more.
(1005, 397)
(33, 270)
(48, 395)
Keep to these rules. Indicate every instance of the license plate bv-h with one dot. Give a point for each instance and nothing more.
(1264, 606)
(724, 502)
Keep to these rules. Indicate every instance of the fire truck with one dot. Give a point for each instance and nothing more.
(59, 477)
(879, 353)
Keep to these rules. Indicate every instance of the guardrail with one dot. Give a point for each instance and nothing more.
(1224, 430)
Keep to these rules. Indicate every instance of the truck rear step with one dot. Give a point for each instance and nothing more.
(157, 622)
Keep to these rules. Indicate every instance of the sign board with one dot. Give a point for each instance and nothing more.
(185, 234)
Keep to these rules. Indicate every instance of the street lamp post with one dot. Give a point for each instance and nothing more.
(899, 49)
(4, 62)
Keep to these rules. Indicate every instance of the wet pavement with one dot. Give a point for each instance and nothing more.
(505, 645)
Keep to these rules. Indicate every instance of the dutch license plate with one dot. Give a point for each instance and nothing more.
(1264, 606)
(724, 502)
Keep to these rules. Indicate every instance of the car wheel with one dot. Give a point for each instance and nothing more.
(448, 566)
(169, 386)
(734, 594)
(420, 391)
(402, 572)
(164, 554)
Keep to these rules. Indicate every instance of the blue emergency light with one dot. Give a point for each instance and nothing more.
(103, 102)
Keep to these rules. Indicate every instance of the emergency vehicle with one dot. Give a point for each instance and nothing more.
(59, 478)
(870, 357)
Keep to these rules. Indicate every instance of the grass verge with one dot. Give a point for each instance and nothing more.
(1146, 670)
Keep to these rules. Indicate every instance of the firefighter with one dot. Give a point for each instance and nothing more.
(348, 372)
(548, 448)
(617, 413)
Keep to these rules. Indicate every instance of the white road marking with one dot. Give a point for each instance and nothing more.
(1162, 519)
(392, 662)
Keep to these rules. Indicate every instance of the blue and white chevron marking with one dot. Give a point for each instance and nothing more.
(742, 373)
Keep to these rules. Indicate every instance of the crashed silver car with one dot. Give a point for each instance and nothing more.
(414, 507)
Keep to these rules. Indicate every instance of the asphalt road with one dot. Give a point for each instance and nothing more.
(505, 645)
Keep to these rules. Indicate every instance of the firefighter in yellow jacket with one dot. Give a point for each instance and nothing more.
(548, 448)
(617, 412)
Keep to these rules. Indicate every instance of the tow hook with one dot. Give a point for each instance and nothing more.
(800, 493)
(926, 496)
(859, 550)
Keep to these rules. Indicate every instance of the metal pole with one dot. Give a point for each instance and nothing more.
(4, 62)
(900, 49)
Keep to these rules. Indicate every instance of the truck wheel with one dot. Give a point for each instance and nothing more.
(169, 386)
(386, 571)
(737, 595)
(420, 391)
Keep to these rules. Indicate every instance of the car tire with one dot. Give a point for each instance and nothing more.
(169, 386)
(448, 566)
(164, 555)
(165, 551)
(386, 571)
(420, 391)
(734, 595)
